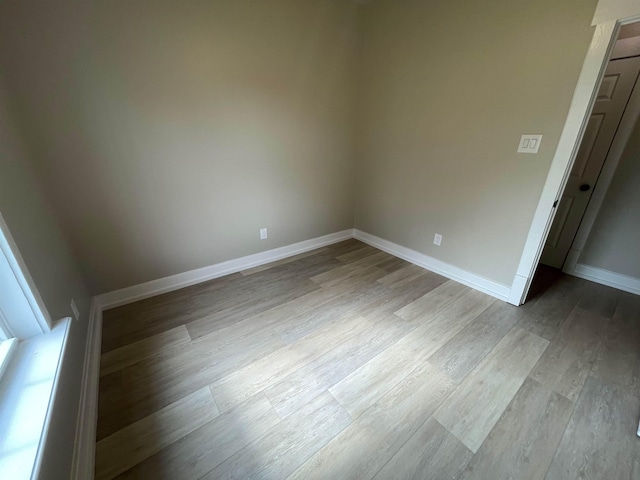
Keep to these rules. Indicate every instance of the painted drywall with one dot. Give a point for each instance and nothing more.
(170, 132)
(440, 118)
(33, 224)
(614, 238)
(35, 229)
(609, 10)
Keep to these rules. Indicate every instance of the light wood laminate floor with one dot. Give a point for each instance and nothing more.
(347, 362)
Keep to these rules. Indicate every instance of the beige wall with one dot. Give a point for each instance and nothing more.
(33, 223)
(35, 229)
(615, 236)
(441, 116)
(170, 132)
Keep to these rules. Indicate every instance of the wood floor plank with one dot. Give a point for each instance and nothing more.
(363, 447)
(199, 452)
(212, 285)
(142, 349)
(346, 246)
(154, 315)
(477, 404)
(545, 317)
(391, 299)
(600, 440)
(402, 276)
(309, 381)
(309, 266)
(255, 377)
(567, 361)
(599, 299)
(221, 303)
(287, 445)
(460, 355)
(284, 261)
(142, 439)
(250, 304)
(349, 275)
(129, 324)
(362, 388)
(343, 305)
(524, 440)
(329, 296)
(361, 252)
(261, 285)
(259, 324)
(157, 382)
(373, 260)
(431, 453)
(159, 306)
(393, 264)
(446, 294)
(318, 298)
(618, 361)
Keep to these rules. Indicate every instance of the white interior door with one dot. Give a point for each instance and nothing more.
(613, 96)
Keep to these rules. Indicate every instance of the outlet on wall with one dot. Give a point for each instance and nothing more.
(263, 234)
(74, 309)
(437, 240)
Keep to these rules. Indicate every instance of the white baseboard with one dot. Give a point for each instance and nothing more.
(469, 279)
(84, 450)
(607, 277)
(517, 292)
(181, 280)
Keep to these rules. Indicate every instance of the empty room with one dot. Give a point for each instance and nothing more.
(332, 239)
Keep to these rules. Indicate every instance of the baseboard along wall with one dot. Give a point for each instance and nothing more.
(199, 275)
(469, 279)
(606, 277)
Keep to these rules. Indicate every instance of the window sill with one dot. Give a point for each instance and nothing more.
(27, 393)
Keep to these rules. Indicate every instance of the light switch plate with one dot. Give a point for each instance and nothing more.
(529, 143)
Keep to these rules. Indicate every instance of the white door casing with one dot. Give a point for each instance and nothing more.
(613, 96)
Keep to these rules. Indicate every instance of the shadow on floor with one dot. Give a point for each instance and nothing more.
(544, 279)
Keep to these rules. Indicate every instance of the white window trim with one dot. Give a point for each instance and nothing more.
(30, 365)
(4, 328)
(7, 348)
(27, 398)
(40, 321)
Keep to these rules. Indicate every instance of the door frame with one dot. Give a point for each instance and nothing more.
(618, 145)
(609, 16)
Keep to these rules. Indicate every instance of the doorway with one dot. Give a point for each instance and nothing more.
(619, 85)
(609, 16)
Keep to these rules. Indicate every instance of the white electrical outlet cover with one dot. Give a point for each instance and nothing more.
(437, 239)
